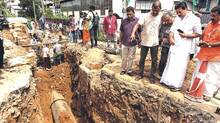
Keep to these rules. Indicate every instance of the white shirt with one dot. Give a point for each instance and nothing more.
(90, 17)
(57, 48)
(45, 52)
(33, 41)
(80, 23)
(189, 24)
(150, 33)
(76, 24)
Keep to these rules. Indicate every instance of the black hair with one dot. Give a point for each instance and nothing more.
(216, 9)
(156, 3)
(181, 5)
(110, 10)
(91, 8)
(129, 9)
(117, 16)
(81, 13)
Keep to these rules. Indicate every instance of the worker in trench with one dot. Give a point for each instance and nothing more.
(1, 51)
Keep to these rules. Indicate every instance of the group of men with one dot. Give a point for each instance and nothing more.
(77, 26)
(177, 35)
(51, 53)
(54, 54)
(110, 26)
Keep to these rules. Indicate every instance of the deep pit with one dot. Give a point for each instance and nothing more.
(92, 87)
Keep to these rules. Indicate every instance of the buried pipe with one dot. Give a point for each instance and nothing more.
(60, 110)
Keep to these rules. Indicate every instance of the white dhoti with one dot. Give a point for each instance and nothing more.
(175, 70)
(212, 81)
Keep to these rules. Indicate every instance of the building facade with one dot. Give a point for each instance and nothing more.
(69, 7)
(13, 6)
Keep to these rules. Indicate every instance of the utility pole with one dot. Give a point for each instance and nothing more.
(35, 18)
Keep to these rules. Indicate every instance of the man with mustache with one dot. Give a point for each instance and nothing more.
(150, 24)
(206, 78)
(186, 26)
(127, 45)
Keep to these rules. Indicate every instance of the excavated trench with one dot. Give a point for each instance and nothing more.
(91, 85)
(102, 95)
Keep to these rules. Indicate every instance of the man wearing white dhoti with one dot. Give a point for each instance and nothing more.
(186, 26)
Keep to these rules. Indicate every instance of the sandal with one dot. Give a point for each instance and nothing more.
(206, 98)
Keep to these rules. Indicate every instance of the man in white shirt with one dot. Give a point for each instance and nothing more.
(46, 57)
(150, 39)
(57, 53)
(186, 26)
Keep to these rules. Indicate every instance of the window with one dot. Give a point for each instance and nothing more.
(143, 4)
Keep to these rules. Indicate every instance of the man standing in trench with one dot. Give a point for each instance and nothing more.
(1, 51)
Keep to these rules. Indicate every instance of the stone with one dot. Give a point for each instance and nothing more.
(95, 66)
(111, 97)
(16, 80)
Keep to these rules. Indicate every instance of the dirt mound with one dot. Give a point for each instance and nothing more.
(41, 73)
(58, 78)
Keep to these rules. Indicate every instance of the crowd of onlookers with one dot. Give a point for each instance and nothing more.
(181, 39)
(85, 28)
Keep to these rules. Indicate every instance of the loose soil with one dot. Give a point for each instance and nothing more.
(57, 78)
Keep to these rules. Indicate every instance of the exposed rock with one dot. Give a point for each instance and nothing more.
(111, 97)
(20, 33)
(114, 51)
(17, 88)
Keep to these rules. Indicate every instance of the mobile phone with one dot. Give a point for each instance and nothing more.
(180, 31)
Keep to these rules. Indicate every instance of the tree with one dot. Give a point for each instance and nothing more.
(4, 10)
(28, 11)
(2, 4)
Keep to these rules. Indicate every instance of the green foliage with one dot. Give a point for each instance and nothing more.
(60, 16)
(49, 14)
(28, 10)
(2, 4)
(8, 13)
(101, 36)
